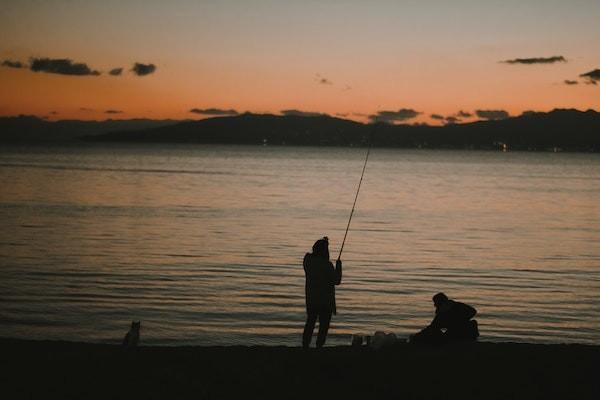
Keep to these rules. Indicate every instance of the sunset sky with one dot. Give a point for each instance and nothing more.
(346, 58)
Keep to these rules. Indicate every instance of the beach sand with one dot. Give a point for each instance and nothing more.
(63, 370)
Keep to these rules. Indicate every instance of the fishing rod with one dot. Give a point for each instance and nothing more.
(356, 198)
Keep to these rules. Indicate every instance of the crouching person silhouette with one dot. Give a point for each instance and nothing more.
(452, 323)
(321, 278)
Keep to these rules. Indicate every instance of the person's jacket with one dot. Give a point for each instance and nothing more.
(452, 315)
(321, 278)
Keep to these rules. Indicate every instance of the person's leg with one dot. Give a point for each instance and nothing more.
(324, 320)
(428, 336)
(465, 332)
(309, 327)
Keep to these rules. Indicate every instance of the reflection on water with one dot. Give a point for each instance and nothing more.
(204, 244)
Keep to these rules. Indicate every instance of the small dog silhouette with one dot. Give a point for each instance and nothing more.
(132, 338)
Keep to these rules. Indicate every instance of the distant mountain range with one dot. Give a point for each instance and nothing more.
(29, 129)
(560, 129)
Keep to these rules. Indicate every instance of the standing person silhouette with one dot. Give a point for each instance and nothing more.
(321, 279)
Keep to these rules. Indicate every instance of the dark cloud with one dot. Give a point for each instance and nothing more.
(213, 111)
(62, 66)
(452, 120)
(13, 64)
(113, 112)
(394, 116)
(116, 71)
(570, 82)
(53, 112)
(536, 60)
(437, 116)
(298, 113)
(143, 69)
(592, 77)
(492, 114)
(464, 114)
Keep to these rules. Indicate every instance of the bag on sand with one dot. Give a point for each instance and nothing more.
(381, 339)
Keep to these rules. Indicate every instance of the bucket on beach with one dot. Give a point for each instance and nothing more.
(382, 339)
(357, 340)
(361, 340)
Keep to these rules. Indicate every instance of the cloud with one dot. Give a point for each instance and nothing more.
(536, 60)
(62, 66)
(492, 114)
(115, 71)
(592, 77)
(343, 115)
(53, 112)
(113, 112)
(213, 111)
(436, 116)
(85, 109)
(452, 120)
(570, 82)
(464, 114)
(394, 116)
(143, 69)
(13, 64)
(298, 113)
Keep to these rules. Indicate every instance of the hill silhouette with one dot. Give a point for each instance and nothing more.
(566, 129)
(559, 129)
(30, 129)
(253, 129)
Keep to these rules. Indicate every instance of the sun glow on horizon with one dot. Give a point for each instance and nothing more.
(347, 60)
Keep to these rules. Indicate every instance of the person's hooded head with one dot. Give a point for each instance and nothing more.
(321, 248)
(439, 300)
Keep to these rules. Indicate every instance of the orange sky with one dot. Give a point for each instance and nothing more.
(268, 56)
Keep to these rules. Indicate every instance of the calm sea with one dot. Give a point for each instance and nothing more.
(204, 244)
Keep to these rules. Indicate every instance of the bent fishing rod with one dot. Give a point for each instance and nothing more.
(355, 198)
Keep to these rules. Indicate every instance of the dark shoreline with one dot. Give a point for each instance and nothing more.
(557, 130)
(52, 369)
(87, 145)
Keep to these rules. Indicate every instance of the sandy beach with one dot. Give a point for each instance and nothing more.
(62, 370)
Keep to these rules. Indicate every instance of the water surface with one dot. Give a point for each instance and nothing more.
(204, 244)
